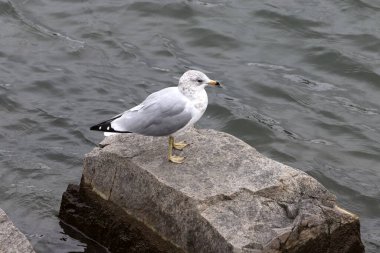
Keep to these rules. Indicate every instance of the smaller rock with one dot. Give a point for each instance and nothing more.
(11, 239)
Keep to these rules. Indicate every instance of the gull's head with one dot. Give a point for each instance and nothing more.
(194, 80)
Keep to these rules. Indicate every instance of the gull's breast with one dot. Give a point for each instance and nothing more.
(200, 102)
(198, 106)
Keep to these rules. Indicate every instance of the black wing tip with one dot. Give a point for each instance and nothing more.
(106, 127)
(103, 127)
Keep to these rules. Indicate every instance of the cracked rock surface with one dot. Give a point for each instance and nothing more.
(11, 239)
(225, 197)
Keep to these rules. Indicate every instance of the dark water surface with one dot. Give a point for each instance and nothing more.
(302, 85)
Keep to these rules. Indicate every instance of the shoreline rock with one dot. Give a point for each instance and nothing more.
(108, 224)
(226, 197)
(11, 239)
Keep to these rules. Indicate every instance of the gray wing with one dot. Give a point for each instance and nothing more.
(160, 114)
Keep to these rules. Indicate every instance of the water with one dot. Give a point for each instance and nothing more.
(302, 85)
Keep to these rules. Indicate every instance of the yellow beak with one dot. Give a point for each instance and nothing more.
(213, 83)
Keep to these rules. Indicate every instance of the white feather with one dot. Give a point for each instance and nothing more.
(109, 133)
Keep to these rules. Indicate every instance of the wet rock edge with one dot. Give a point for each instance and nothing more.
(107, 224)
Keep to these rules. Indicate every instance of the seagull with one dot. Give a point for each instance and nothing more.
(165, 112)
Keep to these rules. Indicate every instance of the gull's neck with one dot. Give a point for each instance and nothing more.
(190, 91)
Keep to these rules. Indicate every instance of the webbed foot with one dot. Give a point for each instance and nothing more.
(176, 159)
(179, 145)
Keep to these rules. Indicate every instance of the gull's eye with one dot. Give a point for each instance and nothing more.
(199, 80)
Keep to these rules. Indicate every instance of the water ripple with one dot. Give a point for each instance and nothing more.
(8, 103)
(39, 29)
(311, 84)
(209, 38)
(170, 10)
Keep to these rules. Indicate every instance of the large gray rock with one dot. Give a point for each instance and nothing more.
(11, 239)
(226, 197)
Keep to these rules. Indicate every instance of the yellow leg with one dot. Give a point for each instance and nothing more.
(173, 158)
